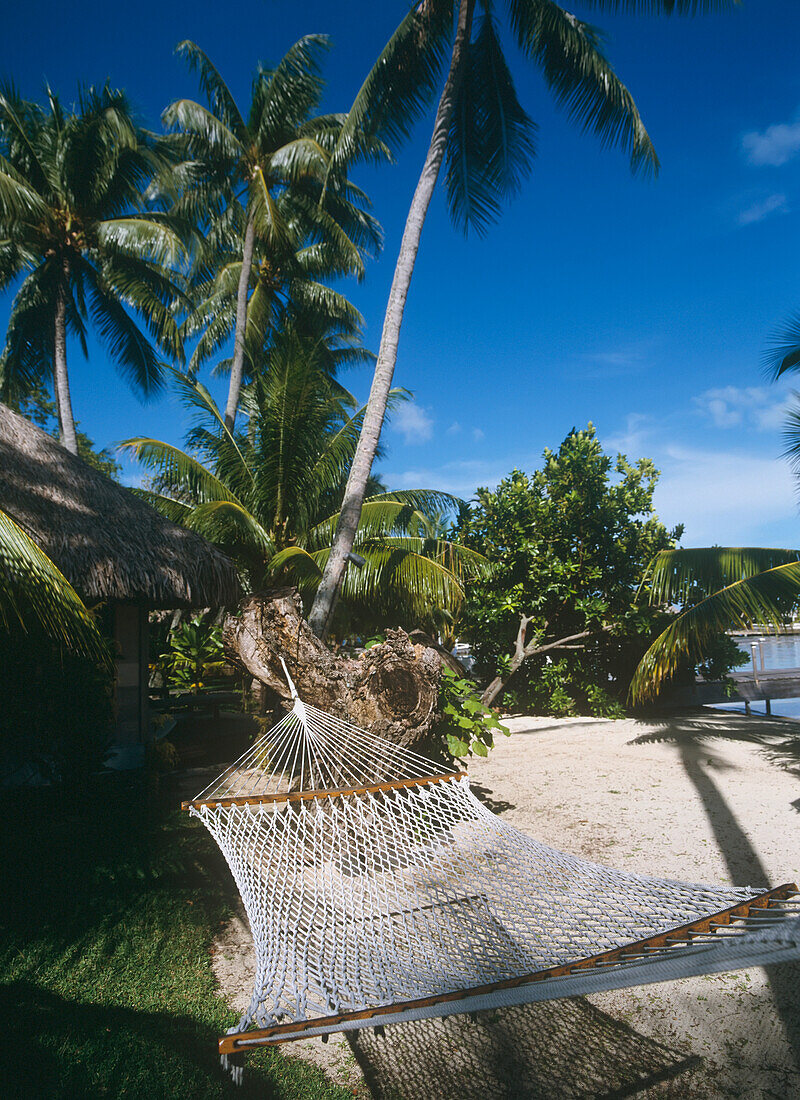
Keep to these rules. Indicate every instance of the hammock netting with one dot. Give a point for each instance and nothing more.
(379, 889)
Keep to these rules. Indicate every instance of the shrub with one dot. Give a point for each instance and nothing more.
(466, 725)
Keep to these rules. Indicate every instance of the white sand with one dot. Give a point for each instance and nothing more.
(709, 799)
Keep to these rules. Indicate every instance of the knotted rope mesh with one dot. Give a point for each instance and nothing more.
(378, 888)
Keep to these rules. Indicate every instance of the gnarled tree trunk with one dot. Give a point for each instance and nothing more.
(392, 689)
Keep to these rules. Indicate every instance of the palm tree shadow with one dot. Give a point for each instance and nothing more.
(694, 737)
(553, 1049)
(777, 738)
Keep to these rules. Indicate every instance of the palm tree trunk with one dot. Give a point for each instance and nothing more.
(237, 366)
(333, 575)
(66, 421)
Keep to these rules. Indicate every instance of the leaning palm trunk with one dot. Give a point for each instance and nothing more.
(237, 366)
(333, 575)
(66, 421)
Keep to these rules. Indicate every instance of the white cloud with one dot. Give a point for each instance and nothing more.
(774, 146)
(722, 496)
(635, 437)
(454, 428)
(612, 362)
(478, 434)
(774, 204)
(461, 478)
(751, 406)
(413, 423)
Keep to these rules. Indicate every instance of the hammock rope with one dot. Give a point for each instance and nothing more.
(379, 889)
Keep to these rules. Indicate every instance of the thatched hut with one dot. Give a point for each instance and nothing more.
(112, 547)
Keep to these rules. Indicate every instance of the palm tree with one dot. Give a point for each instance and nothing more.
(270, 496)
(74, 226)
(256, 189)
(485, 137)
(287, 288)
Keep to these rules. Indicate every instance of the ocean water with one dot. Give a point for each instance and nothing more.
(780, 652)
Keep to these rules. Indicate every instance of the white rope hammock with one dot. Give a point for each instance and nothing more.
(379, 889)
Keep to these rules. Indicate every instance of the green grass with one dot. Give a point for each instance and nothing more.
(109, 905)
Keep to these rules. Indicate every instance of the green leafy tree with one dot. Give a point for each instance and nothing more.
(75, 227)
(255, 188)
(568, 546)
(484, 137)
(269, 496)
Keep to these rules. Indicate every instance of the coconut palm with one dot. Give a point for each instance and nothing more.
(287, 288)
(485, 138)
(75, 228)
(255, 187)
(270, 496)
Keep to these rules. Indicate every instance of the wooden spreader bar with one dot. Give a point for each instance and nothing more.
(305, 796)
(233, 1044)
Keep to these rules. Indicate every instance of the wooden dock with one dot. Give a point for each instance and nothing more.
(759, 685)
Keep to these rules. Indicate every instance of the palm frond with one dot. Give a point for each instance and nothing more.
(766, 597)
(228, 523)
(285, 96)
(784, 354)
(682, 576)
(490, 144)
(184, 475)
(214, 88)
(34, 594)
(580, 77)
(401, 84)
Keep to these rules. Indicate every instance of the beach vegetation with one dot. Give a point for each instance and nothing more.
(273, 219)
(558, 619)
(269, 494)
(466, 726)
(83, 243)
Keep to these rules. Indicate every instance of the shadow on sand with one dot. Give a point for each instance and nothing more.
(550, 1050)
(694, 736)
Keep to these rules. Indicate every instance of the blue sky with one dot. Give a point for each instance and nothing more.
(642, 305)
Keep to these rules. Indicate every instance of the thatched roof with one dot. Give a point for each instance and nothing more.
(109, 544)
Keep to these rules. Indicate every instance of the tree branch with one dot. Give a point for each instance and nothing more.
(523, 651)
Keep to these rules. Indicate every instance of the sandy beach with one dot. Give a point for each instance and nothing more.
(708, 798)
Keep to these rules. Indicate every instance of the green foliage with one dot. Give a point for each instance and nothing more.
(466, 725)
(76, 227)
(36, 598)
(269, 494)
(720, 655)
(720, 588)
(266, 167)
(568, 546)
(111, 903)
(195, 653)
(490, 146)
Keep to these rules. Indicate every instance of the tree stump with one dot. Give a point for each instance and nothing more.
(392, 689)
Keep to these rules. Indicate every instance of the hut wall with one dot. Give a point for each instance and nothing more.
(131, 645)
